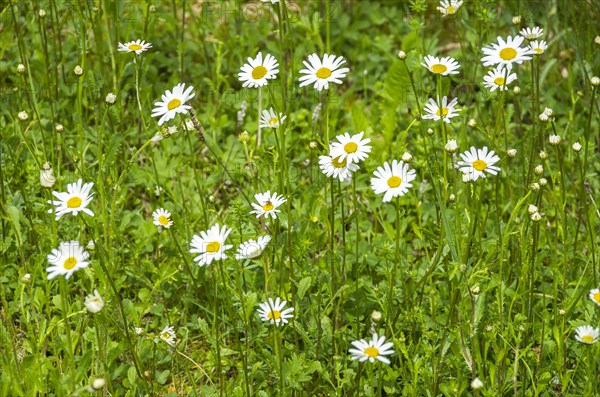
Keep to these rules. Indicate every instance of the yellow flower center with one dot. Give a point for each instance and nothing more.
(508, 53)
(74, 202)
(273, 121)
(538, 50)
(274, 314)
(163, 220)
(442, 111)
(259, 72)
(268, 206)
(70, 263)
(135, 47)
(173, 103)
(350, 147)
(596, 297)
(165, 335)
(438, 68)
(479, 165)
(394, 181)
(337, 163)
(587, 339)
(213, 247)
(323, 73)
(499, 81)
(371, 351)
(451, 10)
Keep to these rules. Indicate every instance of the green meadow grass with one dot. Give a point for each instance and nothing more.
(457, 275)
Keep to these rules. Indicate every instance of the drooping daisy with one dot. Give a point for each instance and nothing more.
(448, 110)
(252, 248)
(322, 72)
(393, 181)
(375, 349)
(257, 72)
(210, 245)
(351, 148)
(443, 66)
(449, 7)
(168, 336)
(267, 204)
(274, 312)
(587, 334)
(269, 119)
(137, 46)
(64, 261)
(499, 78)
(476, 162)
(75, 199)
(532, 33)
(595, 296)
(506, 52)
(173, 103)
(538, 47)
(162, 218)
(94, 302)
(336, 168)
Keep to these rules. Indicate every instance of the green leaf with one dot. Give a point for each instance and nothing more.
(303, 286)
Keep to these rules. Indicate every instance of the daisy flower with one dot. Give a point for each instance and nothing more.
(499, 78)
(162, 218)
(94, 302)
(64, 261)
(252, 248)
(336, 168)
(394, 181)
(476, 162)
(173, 103)
(75, 199)
(449, 7)
(595, 296)
(538, 47)
(532, 33)
(257, 71)
(168, 336)
(269, 119)
(350, 148)
(448, 110)
(443, 66)
(210, 245)
(375, 349)
(274, 312)
(587, 334)
(267, 204)
(137, 46)
(506, 52)
(322, 72)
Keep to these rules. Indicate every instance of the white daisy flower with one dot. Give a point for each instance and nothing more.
(173, 103)
(375, 349)
(448, 110)
(269, 119)
(137, 46)
(322, 72)
(595, 296)
(587, 334)
(257, 72)
(64, 261)
(506, 52)
(162, 218)
(94, 302)
(274, 312)
(210, 245)
(449, 7)
(350, 148)
(476, 162)
(538, 47)
(393, 181)
(499, 78)
(443, 66)
(267, 204)
(168, 336)
(75, 199)
(336, 168)
(252, 248)
(532, 33)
